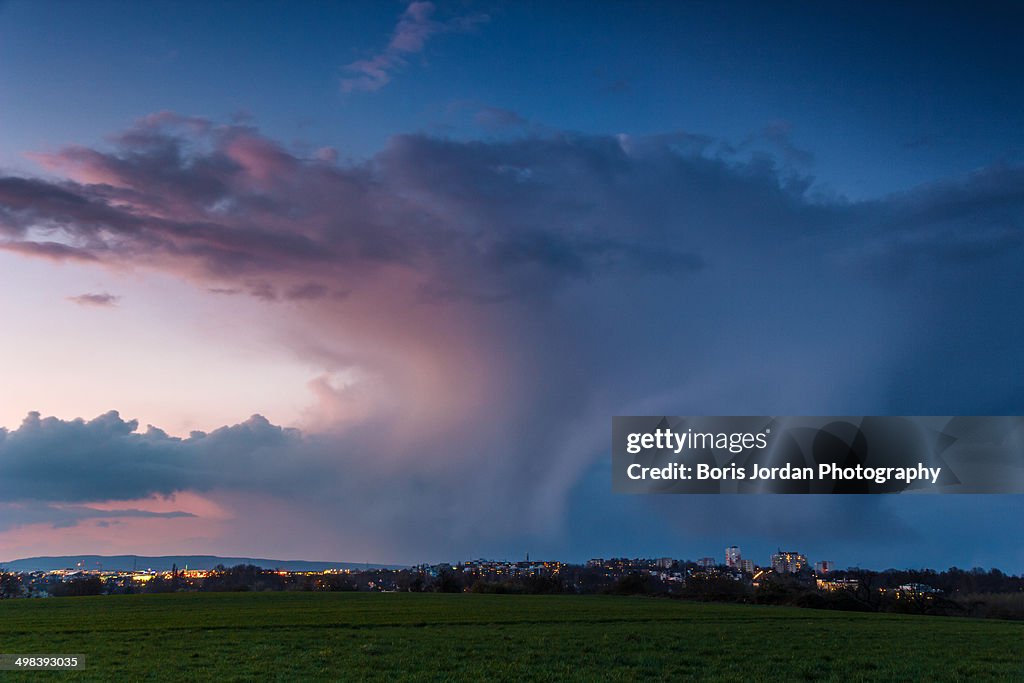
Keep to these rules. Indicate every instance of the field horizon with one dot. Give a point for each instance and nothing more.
(324, 636)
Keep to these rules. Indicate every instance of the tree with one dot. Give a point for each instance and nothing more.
(632, 584)
(10, 585)
(448, 582)
(90, 585)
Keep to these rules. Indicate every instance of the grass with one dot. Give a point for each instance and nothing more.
(434, 637)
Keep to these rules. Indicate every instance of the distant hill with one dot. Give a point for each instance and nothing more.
(166, 562)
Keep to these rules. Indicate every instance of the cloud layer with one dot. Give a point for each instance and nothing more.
(479, 308)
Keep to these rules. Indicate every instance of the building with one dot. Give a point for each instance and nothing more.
(788, 562)
(706, 563)
(732, 557)
(824, 567)
(833, 585)
(664, 562)
(747, 566)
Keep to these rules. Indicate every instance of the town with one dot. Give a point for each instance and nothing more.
(787, 578)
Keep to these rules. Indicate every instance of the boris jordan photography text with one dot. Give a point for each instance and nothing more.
(704, 471)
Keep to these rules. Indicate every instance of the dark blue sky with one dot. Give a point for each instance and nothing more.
(448, 241)
(882, 97)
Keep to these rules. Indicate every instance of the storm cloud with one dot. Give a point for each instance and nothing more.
(478, 309)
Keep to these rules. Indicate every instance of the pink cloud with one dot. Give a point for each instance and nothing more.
(262, 160)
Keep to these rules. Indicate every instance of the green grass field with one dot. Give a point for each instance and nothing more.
(433, 637)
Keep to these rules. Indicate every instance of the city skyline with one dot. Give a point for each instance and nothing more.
(368, 281)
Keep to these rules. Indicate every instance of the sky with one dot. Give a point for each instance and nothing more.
(366, 281)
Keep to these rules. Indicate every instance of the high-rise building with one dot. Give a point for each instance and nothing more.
(747, 566)
(706, 562)
(824, 567)
(788, 562)
(732, 557)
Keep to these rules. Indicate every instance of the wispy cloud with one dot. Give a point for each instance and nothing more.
(102, 300)
(415, 27)
(62, 515)
(496, 118)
